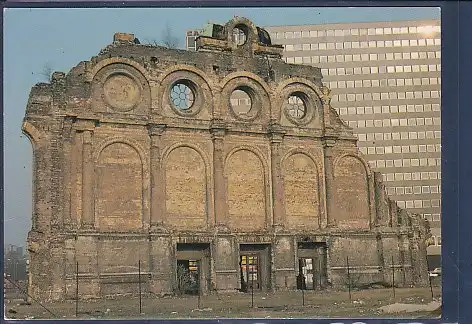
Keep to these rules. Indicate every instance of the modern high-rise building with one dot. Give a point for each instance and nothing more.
(386, 84)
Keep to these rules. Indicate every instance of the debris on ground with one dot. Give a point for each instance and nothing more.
(202, 309)
(281, 304)
(408, 308)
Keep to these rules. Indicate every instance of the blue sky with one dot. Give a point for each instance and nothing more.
(61, 38)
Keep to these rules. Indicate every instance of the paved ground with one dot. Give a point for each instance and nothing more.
(365, 303)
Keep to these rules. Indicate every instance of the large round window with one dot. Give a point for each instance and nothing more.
(299, 107)
(241, 102)
(244, 102)
(182, 95)
(296, 107)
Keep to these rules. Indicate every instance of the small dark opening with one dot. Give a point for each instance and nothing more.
(192, 246)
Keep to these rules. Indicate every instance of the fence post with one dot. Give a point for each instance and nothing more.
(429, 278)
(393, 278)
(320, 273)
(348, 277)
(139, 280)
(199, 285)
(77, 289)
(252, 289)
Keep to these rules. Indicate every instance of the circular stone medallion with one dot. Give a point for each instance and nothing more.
(121, 92)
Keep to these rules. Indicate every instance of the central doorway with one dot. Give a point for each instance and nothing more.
(192, 268)
(312, 274)
(254, 267)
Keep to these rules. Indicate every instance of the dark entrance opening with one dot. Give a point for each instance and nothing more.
(192, 268)
(188, 276)
(254, 266)
(312, 272)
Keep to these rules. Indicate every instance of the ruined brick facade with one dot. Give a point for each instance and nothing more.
(122, 174)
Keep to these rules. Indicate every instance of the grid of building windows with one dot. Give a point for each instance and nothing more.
(386, 84)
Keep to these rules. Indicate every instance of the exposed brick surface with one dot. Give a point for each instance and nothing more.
(352, 193)
(246, 191)
(122, 175)
(302, 190)
(186, 192)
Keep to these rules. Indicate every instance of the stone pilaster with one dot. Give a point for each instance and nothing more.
(418, 241)
(69, 139)
(218, 130)
(372, 201)
(393, 209)
(381, 204)
(276, 137)
(329, 181)
(88, 216)
(157, 183)
(87, 174)
(325, 100)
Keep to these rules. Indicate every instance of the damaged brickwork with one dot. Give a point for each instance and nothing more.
(139, 155)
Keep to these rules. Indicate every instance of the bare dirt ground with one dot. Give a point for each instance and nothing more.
(317, 304)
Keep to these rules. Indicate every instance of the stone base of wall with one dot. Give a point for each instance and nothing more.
(111, 264)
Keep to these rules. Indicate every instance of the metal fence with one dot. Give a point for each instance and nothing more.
(140, 299)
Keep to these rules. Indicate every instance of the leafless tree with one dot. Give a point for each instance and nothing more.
(153, 42)
(169, 40)
(46, 72)
(184, 280)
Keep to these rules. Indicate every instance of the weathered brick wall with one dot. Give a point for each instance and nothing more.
(122, 175)
(246, 191)
(119, 193)
(283, 252)
(122, 255)
(302, 191)
(364, 267)
(186, 189)
(352, 193)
